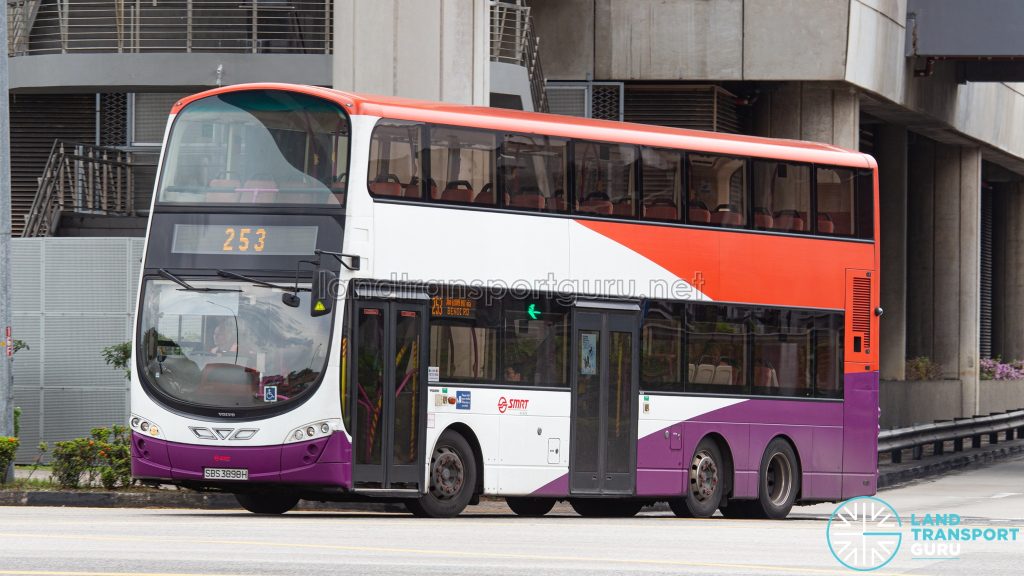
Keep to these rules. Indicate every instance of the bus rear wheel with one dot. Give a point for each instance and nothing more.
(778, 480)
(452, 479)
(267, 503)
(603, 508)
(530, 507)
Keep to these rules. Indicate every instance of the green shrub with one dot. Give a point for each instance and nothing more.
(922, 368)
(104, 456)
(119, 356)
(8, 447)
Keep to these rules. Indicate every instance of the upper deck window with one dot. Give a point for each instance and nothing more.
(257, 147)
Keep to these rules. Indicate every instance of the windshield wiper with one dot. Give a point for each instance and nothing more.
(186, 286)
(237, 276)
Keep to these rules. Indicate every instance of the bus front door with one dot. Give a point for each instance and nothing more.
(604, 397)
(388, 369)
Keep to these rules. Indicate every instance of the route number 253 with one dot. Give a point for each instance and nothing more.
(244, 239)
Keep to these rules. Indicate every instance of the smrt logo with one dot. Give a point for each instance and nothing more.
(219, 458)
(512, 404)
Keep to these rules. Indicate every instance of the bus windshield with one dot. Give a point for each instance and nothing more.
(257, 147)
(235, 347)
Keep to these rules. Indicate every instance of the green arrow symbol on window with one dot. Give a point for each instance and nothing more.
(533, 312)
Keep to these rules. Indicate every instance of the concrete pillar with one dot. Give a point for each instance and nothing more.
(1008, 271)
(946, 274)
(810, 111)
(891, 154)
(970, 277)
(920, 247)
(429, 49)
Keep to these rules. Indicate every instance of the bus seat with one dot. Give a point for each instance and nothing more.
(689, 375)
(825, 224)
(698, 213)
(704, 375)
(257, 191)
(596, 203)
(386, 188)
(624, 207)
(413, 190)
(529, 200)
(724, 215)
(223, 190)
(458, 191)
(486, 195)
(661, 209)
(763, 218)
(723, 375)
(789, 220)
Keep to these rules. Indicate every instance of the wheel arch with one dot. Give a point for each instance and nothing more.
(727, 459)
(466, 432)
(796, 452)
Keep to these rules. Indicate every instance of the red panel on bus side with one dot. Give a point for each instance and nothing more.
(741, 267)
(861, 322)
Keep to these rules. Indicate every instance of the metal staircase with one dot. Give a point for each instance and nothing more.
(84, 179)
(514, 41)
(21, 15)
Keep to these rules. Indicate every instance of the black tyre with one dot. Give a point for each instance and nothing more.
(778, 480)
(267, 503)
(452, 479)
(738, 509)
(601, 508)
(706, 481)
(530, 507)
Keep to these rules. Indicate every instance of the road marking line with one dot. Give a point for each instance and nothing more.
(425, 551)
(1006, 494)
(65, 573)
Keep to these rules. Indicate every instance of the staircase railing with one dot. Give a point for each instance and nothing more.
(21, 14)
(81, 178)
(514, 41)
(255, 26)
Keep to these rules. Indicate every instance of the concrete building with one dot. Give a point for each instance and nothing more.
(934, 89)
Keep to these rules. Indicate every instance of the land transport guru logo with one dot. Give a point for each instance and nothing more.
(866, 532)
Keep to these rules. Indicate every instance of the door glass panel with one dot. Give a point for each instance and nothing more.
(588, 402)
(370, 383)
(620, 378)
(407, 386)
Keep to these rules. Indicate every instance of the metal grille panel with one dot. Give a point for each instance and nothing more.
(606, 103)
(82, 304)
(28, 399)
(73, 281)
(567, 100)
(113, 119)
(986, 273)
(707, 108)
(862, 309)
(26, 267)
(73, 412)
(149, 116)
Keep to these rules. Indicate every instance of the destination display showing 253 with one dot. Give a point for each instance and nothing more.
(244, 239)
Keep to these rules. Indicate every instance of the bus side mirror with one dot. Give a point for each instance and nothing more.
(321, 300)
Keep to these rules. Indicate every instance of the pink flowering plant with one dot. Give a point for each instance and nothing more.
(996, 369)
(8, 447)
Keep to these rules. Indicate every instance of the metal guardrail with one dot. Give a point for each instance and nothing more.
(915, 438)
(514, 41)
(256, 26)
(81, 178)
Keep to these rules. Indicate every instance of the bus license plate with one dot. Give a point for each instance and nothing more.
(225, 473)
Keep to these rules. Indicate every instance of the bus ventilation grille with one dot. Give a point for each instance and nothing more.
(862, 309)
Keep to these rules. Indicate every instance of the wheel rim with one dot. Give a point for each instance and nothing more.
(448, 474)
(703, 476)
(778, 480)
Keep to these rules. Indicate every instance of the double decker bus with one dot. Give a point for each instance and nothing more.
(360, 297)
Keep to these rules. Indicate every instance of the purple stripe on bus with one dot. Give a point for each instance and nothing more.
(557, 487)
(325, 461)
(815, 428)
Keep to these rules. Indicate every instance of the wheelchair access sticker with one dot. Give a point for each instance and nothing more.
(270, 393)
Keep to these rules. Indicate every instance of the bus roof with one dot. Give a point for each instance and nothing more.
(564, 126)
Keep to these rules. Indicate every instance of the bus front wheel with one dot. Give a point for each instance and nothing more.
(706, 482)
(267, 503)
(452, 479)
